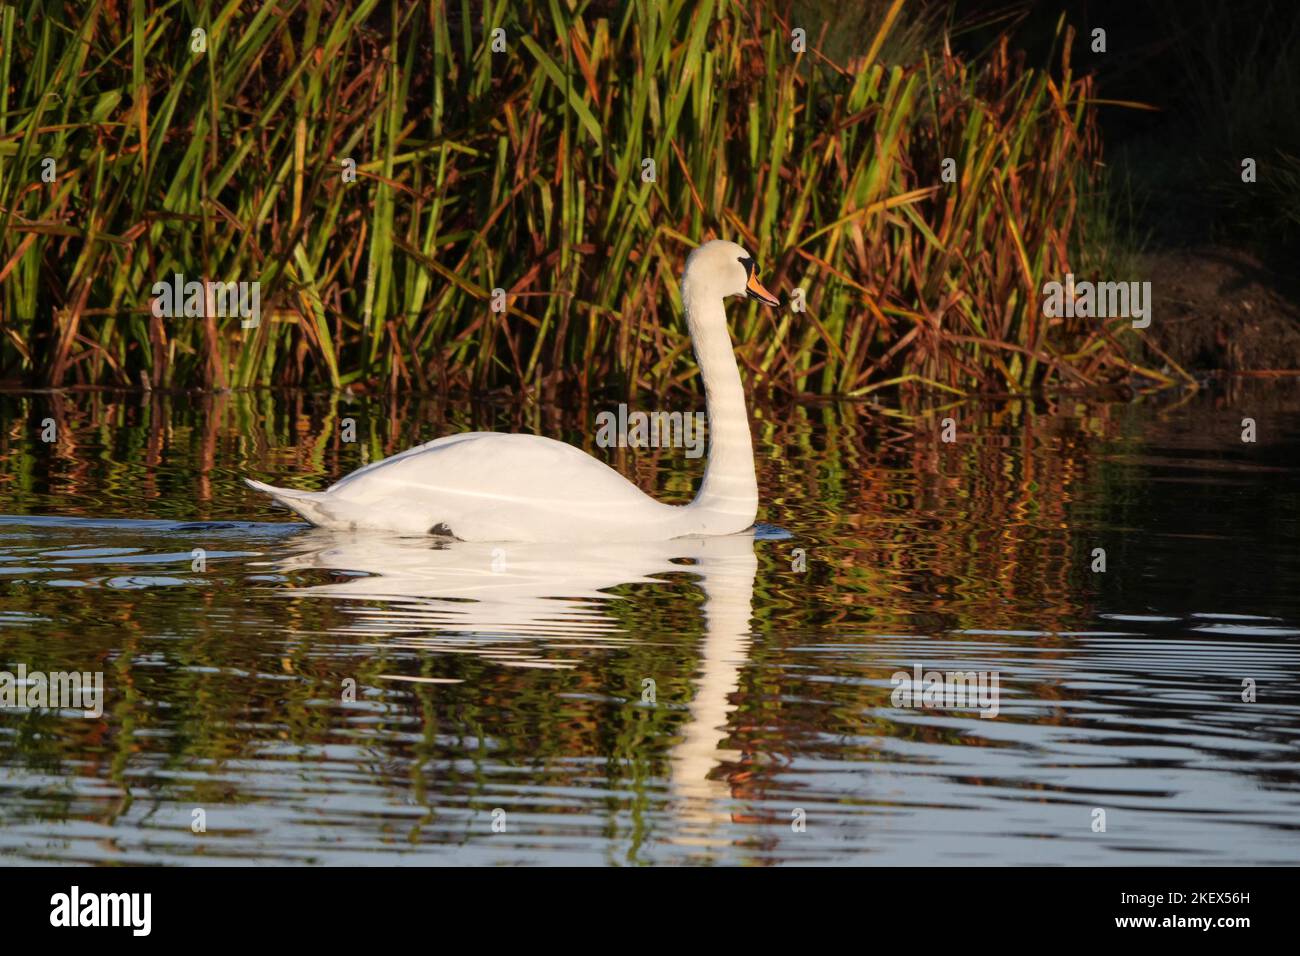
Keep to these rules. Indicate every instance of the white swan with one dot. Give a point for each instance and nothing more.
(488, 486)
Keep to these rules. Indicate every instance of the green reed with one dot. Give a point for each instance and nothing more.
(523, 171)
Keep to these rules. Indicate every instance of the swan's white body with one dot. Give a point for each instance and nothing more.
(488, 486)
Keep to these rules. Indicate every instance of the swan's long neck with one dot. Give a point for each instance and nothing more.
(729, 493)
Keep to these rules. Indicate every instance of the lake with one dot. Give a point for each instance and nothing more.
(1126, 570)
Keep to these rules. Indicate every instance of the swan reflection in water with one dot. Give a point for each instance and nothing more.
(497, 599)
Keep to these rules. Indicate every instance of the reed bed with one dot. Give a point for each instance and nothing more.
(526, 170)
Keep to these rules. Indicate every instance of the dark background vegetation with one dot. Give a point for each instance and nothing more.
(1225, 79)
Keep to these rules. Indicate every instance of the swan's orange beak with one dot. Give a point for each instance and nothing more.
(756, 290)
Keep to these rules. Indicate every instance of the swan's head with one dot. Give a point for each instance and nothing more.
(725, 269)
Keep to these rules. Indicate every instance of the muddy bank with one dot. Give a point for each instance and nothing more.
(1221, 309)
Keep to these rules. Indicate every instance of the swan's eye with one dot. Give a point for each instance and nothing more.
(748, 263)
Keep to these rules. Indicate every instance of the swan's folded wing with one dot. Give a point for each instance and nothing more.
(492, 486)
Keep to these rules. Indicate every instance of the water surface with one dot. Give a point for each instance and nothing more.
(721, 700)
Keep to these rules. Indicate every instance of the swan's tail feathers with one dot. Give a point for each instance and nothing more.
(309, 504)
